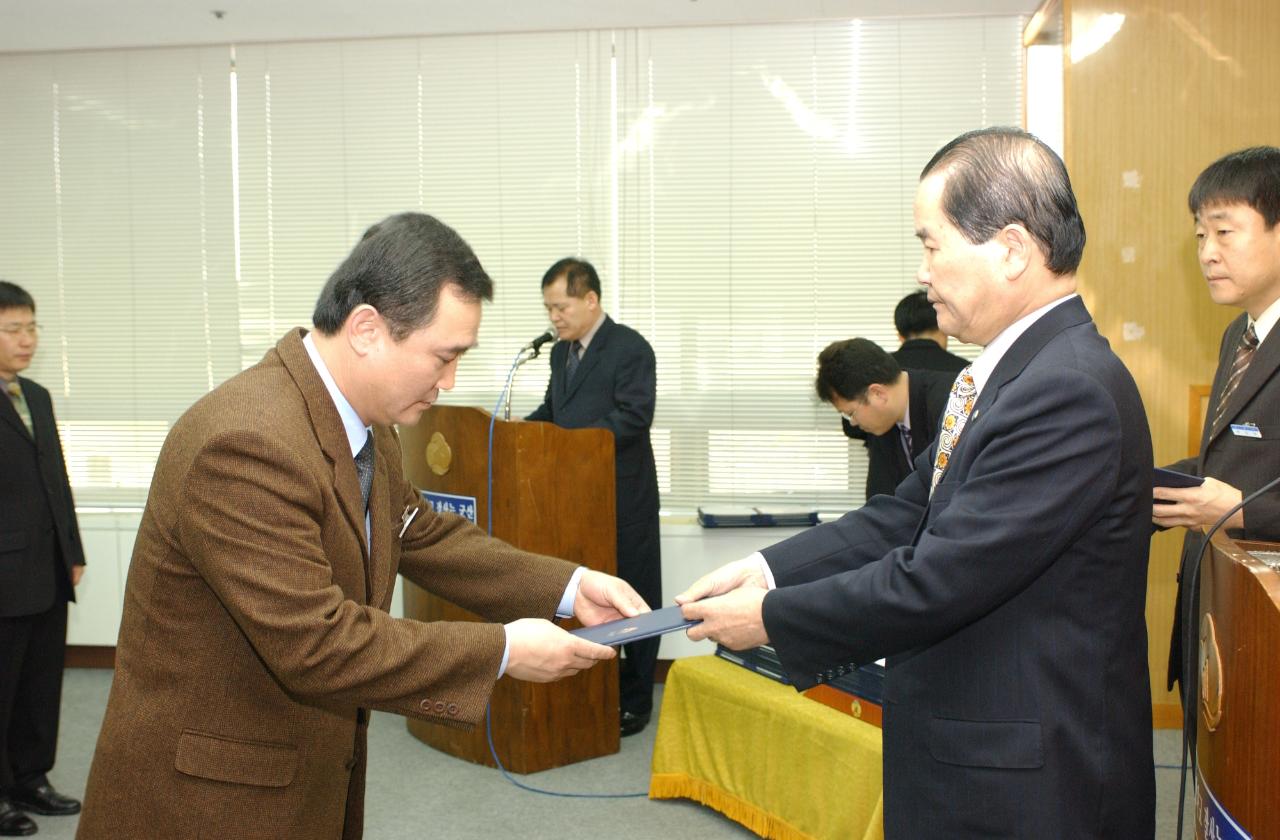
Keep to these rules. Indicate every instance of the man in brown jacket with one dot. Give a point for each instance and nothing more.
(255, 634)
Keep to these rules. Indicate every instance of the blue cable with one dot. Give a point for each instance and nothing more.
(488, 734)
(488, 727)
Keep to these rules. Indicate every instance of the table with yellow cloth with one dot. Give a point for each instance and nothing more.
(765, 756)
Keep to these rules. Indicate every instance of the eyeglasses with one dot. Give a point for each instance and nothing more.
(32, 330)
(848, 416)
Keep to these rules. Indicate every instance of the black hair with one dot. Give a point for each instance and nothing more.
(399, 267)
(579, 276)
(846, 369)
(1001, 176)
(1249, 176)
(13, 296)
(914, 315)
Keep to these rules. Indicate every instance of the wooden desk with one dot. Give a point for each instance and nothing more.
(765, 756)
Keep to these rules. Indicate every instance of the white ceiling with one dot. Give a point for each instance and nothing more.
(39, 25)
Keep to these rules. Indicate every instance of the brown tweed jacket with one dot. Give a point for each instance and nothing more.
(255, 628)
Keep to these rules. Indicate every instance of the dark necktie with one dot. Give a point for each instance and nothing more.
(571, 363)
(364, 468)
(904, 434)
(1244, 354)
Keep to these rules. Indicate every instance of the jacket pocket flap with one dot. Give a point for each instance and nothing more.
(13, 540)
(1010, 744)
(228, 760)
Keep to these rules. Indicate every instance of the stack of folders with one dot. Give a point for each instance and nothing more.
(865, 681)
(756, 517)
(763, 660)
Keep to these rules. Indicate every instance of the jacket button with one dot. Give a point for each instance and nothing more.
(425, 705)
(453, 709)
(439, 707)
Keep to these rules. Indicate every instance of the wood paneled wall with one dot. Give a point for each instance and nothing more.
(1179, 84)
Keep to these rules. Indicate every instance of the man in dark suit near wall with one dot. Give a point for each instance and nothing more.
(924, 346)
(1006, 580)
(895, 411)
(603, 374)
(1236, 206)
(41, 560)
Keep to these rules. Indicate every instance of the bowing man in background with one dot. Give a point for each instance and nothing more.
(1236, 206)
(603, 375)
(255, 635)
(41, 560)
(1006, 580)
(895, 411)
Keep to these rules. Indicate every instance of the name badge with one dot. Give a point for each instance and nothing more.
(1249, 430)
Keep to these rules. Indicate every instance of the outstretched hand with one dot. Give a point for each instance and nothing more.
(739, 573)
(539, 651)
(735, 619)
(604, 598)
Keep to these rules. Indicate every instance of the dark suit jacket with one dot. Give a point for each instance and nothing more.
(615, 388)
(1010, 606)
(39, 537)
(926, 354)
(928, 391)
(1243, 462)
(255, 628)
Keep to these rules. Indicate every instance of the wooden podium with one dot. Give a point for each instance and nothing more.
(1238, 711)
(553, 493)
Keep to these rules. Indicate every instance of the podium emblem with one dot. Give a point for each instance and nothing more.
(439, 454)
(1211, 689)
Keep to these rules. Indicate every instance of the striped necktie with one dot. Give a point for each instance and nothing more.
(571, 363)
(1244, 355)
(14, 390)
(964, 394)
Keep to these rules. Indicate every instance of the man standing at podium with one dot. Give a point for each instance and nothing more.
(603, 375)
(1236, 206)
(255, 637)
(1005, 580)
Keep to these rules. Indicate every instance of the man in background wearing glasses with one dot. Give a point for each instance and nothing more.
(41, 560)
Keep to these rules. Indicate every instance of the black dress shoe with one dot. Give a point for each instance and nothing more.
(14, 823)
(633, 723)
(44, 800)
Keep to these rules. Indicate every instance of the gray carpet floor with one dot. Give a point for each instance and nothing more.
(416, 792)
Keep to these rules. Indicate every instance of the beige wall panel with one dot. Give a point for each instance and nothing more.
(1180, 83)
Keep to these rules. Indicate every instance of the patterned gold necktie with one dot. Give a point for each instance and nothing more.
(14, 390)
(1244, 355)
(963, 395)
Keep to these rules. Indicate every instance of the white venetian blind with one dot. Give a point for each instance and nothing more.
(745, 193)
(766, 212)
(116, 216)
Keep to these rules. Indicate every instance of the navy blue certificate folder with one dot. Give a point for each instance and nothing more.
(1173, 478)
(624, 630)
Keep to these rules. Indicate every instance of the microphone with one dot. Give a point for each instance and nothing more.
(536, 344)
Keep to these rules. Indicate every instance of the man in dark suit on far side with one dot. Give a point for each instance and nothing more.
(603, 375)
(924, 346)
(41, 560)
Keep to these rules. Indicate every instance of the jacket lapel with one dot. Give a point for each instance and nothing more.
(590, 358)
(381, 527)
(328, 429)
(1266, 359)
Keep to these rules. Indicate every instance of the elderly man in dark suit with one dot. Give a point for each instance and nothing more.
(1236, 206)
(41, 560)
(895, 411)
(255, 636)
(603, 375)
(1006, 580)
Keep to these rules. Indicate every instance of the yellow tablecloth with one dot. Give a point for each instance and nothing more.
(765, 756)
